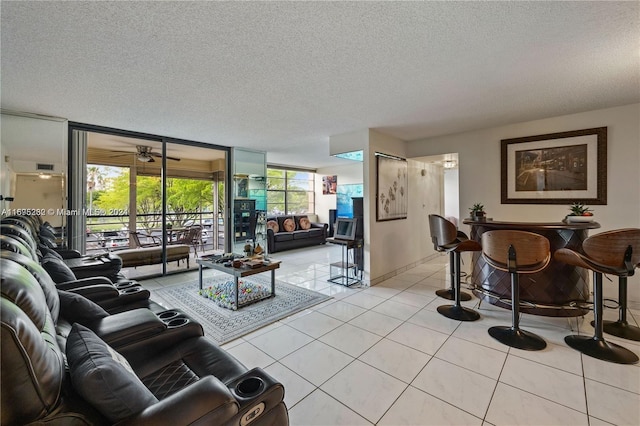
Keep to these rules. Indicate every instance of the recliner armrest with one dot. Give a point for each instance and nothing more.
(208, 401)
(84, 282)
(128, 327)
(95, 293)
(68, 254)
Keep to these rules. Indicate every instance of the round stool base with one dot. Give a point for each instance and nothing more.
(620, 329)
(601, 349)
(459, 313)
(517, 338)
(449, 294)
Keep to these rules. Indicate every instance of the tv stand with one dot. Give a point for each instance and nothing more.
(346, 272)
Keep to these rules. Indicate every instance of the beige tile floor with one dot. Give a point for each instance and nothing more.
(383, 355)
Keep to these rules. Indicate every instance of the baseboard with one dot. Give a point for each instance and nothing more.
(388, 275)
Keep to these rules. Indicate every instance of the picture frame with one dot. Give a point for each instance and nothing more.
(555, 168)
(392, 197)
(329, 184)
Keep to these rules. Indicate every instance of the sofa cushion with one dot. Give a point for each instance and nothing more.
(315, 232)
(283, 236)
(304, 223)
(289, 224)
(103, 377)
(300, 235)
(273, 225)
(57, 269)
(77, 308)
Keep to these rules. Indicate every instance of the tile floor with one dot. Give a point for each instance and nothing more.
(383, 355)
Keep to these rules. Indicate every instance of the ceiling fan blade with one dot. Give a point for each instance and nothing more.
(160, 156)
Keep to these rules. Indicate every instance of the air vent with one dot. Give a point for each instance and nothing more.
(48, 167)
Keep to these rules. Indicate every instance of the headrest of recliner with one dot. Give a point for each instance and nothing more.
(15, 230)
(15, 244)
(47, 284)
(22, 288)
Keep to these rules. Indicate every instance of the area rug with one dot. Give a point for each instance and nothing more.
(223, 325)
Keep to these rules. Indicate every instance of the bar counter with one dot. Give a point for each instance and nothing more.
(557, 291)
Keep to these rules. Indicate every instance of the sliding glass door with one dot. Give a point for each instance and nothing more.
(148, 194)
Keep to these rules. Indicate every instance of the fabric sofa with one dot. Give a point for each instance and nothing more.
(293, 231)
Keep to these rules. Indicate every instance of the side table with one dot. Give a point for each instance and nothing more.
(345, 272)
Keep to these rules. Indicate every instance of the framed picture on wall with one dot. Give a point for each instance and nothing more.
(391, 187)
(556, 168)
(329, 184)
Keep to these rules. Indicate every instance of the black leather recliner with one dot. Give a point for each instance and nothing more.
(174, 379)
(115, 297)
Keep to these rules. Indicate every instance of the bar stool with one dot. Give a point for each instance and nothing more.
(621, 328)
(445, 239)
(436, 225)
(516, 252)
(614, 253)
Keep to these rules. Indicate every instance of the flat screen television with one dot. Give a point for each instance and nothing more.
(345, 229)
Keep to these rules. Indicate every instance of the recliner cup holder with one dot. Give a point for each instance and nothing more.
(131, 290)
(177, 322)
(250, 387)
(167, 315)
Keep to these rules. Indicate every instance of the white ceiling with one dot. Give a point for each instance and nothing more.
(284, 76)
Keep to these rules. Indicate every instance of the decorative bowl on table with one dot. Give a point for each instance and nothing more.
(579, 219)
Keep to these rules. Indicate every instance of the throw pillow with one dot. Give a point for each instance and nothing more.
(77, 308)
(273, 225)
(304, 222)
(57, 269)
(103, 377)
(289, 225)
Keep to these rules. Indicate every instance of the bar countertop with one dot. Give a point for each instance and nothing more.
(490, 223)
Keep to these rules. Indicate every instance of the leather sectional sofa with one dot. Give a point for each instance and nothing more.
(293, 231)
(67, 361)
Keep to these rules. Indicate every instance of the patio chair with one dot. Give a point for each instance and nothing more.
(191, 236)
(135, 237)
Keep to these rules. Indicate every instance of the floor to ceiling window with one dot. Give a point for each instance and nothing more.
(290, 191)
(143, 193)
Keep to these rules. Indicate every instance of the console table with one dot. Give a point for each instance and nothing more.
(558, 290)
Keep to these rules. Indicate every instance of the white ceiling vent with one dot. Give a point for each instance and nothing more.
(47, 167)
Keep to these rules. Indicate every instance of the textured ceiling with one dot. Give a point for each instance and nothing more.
(283, 77)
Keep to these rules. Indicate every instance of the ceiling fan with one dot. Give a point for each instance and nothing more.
(144, 154)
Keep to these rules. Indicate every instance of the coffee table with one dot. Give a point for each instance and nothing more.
(240, 273)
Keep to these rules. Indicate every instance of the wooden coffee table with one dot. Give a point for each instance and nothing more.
(240, 273)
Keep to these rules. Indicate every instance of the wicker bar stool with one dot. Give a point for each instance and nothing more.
(446, 239)
(516, 252)
(614, 253)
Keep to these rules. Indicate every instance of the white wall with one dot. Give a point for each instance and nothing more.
(479, 170)
(393, 245)
(451, 194)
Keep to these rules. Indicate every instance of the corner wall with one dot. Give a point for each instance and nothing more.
(393, 246)
(479, 168)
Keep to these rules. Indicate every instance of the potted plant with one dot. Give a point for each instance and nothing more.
(579, 213)
(477, 211)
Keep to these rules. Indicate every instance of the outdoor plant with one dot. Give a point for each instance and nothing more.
(579, 209)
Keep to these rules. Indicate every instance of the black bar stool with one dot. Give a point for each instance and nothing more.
(516, 252)
(436, 231)
(445, 239)
(614, 253)
(621, 327)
